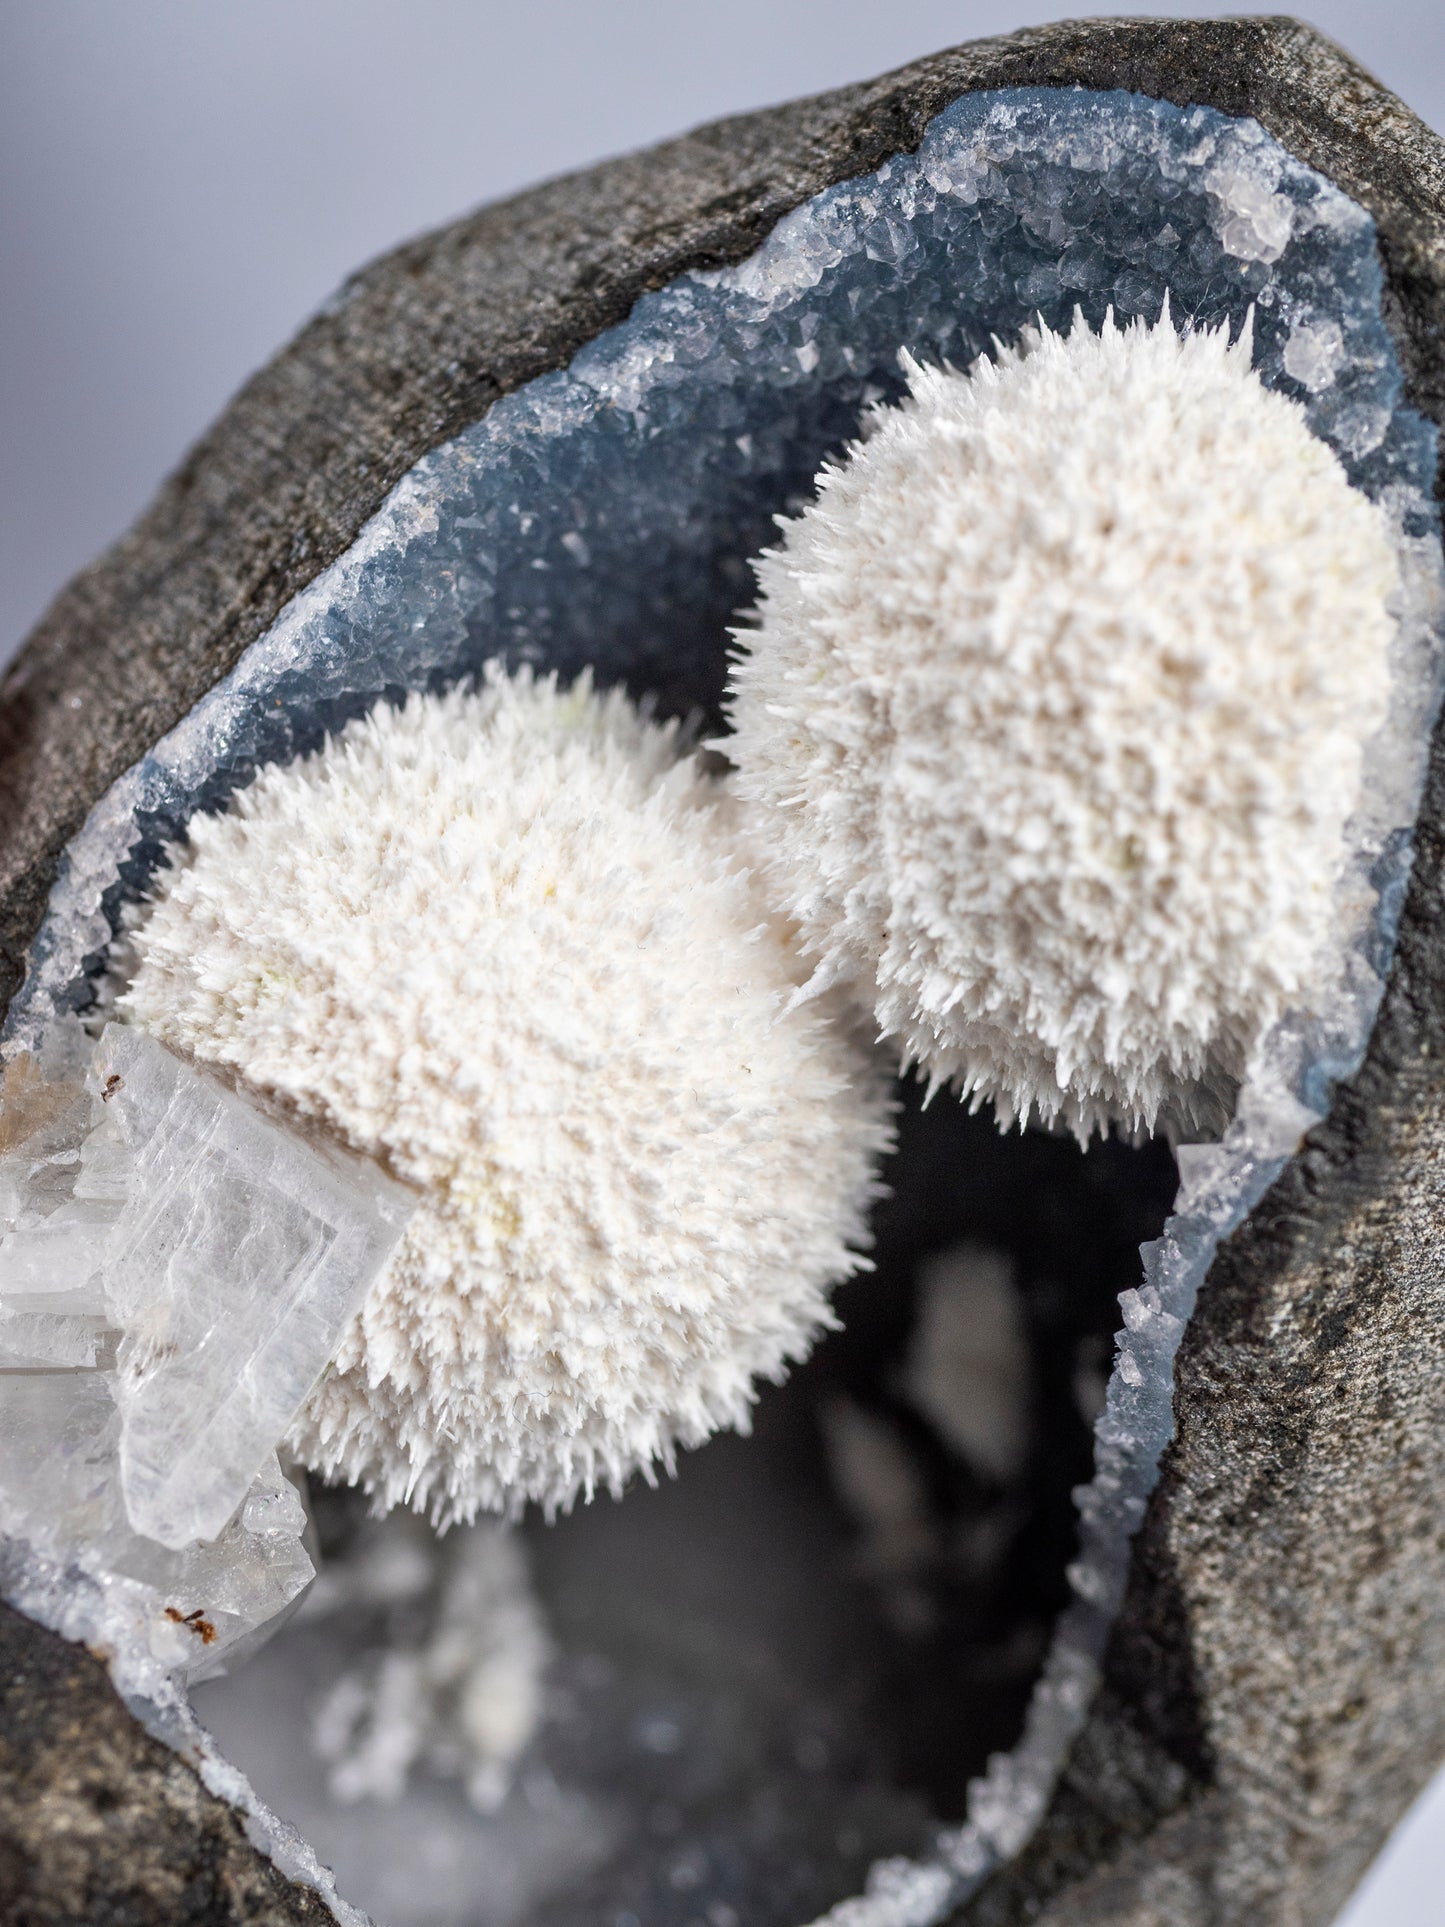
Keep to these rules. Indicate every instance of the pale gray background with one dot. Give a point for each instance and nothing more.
(182, 181)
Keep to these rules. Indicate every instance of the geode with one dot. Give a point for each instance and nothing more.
(556, 432)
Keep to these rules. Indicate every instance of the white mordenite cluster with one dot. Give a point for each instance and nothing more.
(507, 943)
(1054, 715)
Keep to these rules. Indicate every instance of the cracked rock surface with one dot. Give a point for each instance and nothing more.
(1273, 1696)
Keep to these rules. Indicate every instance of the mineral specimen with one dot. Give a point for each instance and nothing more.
(508, 941)
(1290, 1520)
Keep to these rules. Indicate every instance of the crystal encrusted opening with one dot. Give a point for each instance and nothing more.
(750, 1685)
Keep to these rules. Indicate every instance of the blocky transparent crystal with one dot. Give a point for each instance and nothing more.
(140, 1312)
(60, 1495)
(604, 514)
(224, 1251)
(241, 1255)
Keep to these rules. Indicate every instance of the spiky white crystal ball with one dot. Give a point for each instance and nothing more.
(507, 942)
(1054, 712)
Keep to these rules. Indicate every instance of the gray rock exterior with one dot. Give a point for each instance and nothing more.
(100, 1822)
(1273, 1695)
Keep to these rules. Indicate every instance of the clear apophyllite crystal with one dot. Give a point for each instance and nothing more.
(60, 1496)
(241, 1255)
(176, 1267)
(222, 1251)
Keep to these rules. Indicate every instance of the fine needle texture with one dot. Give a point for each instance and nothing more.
(507, 942)
(1053, 716)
